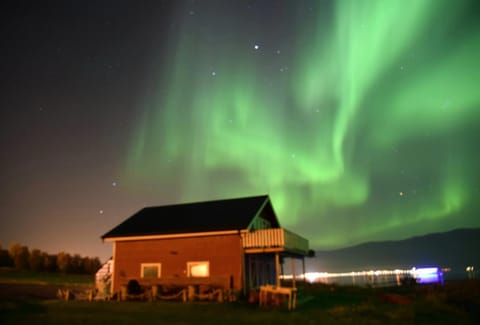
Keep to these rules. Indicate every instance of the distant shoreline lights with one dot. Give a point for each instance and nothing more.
(422, 275)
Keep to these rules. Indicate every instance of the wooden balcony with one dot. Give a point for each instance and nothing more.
(274, 240)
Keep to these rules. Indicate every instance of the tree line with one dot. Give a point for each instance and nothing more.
(22, 258)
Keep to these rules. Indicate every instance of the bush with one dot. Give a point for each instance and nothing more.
(134, 288)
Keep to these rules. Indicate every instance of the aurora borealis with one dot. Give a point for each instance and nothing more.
(360, 119)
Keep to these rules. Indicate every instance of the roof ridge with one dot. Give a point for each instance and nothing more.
(209, 201)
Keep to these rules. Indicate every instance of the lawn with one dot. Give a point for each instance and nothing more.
(454, 302)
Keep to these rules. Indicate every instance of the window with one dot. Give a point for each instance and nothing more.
(198, 269)
(150, 270)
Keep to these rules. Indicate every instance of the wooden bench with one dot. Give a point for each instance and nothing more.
(267, 292)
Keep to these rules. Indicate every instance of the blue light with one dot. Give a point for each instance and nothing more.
(427, 275)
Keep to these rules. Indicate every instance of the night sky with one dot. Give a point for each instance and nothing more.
(361, 119)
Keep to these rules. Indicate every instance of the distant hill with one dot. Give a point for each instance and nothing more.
(455, 249)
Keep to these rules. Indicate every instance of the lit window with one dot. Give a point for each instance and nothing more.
(198, 269)
(150, 270)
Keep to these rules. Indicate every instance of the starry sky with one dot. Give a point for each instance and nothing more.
(360, 119)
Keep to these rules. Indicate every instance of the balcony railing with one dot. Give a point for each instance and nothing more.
(275, 238)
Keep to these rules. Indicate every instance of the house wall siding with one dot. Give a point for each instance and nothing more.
(224, 253)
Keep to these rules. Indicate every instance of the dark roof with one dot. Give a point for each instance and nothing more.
(229, 214)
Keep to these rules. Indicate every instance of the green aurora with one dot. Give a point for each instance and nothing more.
(359, 118)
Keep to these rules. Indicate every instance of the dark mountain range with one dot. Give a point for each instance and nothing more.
(455, 249)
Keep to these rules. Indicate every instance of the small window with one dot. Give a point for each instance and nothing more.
(198, 269)
(150, 270)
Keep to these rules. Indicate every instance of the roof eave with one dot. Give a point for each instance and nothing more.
(172, 236)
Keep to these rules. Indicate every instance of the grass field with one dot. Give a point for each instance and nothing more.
(455, 302)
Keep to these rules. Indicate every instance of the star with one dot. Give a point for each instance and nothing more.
(101, 211)
(214, 73)
(114, 184)
(401, 193)
(256, 47)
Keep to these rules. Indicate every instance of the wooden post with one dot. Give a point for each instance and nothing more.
(277, 269)
(191, 292)
(90, 295)
(184, 295)
(154, 292)
(303, 269)
(123, 293)
(244, 273)
(292, 263)
(113, 277)
(281, 269)
(220, 295)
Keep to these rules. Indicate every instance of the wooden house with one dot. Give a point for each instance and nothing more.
(236, 244)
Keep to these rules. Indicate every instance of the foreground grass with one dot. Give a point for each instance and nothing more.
(455, 302)
(313, 312)
(56, 312)
(142, 312)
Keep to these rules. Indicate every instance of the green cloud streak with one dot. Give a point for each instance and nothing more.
(336, 137)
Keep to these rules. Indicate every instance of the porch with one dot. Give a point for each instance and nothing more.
(266, 250)
(274, 240)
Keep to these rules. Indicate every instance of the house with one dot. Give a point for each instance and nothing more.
(237, 244)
